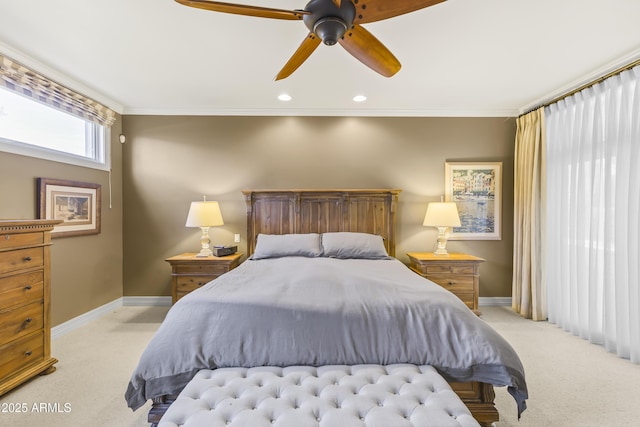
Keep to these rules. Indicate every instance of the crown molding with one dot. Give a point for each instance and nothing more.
(190, 111)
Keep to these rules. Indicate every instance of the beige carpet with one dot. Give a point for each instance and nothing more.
(571, 383)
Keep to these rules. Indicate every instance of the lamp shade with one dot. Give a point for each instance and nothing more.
(442, 214)
(204, 214)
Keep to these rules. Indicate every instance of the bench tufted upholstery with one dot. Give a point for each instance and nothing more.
(328, 396)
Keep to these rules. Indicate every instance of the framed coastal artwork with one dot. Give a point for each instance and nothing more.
(476, 188)
(77, 204)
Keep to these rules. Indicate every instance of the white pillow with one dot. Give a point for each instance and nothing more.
(281, 245)
(346, 245)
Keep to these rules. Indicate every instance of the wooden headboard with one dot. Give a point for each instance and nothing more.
(320, 211)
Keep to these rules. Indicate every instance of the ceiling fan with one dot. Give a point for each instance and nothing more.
(332, 21)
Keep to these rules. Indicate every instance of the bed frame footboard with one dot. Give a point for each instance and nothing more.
(479, 398)
(159, 406)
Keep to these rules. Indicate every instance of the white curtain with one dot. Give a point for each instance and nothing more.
(593, 190)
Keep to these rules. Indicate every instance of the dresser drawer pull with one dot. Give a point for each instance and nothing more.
(28, 258)
(28, 288)
(202, 283)
(28, 353)
(451, 283)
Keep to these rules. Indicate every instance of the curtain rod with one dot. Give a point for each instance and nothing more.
(586, 85)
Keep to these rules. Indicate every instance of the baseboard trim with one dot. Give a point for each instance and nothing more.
(96, 313)
(149, 301)
(83, 319)
(494, 301)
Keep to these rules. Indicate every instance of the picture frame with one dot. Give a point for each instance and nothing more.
(77, 204)
(476, 188)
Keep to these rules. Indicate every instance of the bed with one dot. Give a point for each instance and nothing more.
(322, 287)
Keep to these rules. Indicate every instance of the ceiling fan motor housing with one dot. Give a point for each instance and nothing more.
(328, 21)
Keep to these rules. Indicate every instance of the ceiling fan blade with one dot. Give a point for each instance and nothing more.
(241, 9)
(306, 48)
(377, 10)
(367, 49)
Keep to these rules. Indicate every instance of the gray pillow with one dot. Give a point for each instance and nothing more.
(281, 245)
(346, 245)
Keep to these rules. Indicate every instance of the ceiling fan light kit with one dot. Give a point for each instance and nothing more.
(332, 22)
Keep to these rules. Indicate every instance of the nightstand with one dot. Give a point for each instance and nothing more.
(458, 273)
(189, 272)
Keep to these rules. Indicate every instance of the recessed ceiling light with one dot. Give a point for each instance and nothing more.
(359, 98)
(284, 97)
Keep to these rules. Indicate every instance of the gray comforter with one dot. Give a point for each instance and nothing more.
(322, 311)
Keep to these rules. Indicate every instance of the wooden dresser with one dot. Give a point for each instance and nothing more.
(25, 329)
(189, 272)
(458, 273)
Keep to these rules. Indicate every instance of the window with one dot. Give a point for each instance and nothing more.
(42, 118)
(28, 127)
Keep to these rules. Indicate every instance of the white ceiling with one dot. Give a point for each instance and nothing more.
(459, 58)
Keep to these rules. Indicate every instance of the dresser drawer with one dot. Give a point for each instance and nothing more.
(21, 321)
(21, 259)
(449, 269)
(21, 353)
(20, 289)
(8, 241)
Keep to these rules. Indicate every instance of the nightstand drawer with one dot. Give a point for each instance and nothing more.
(21, 353)
(213, 269)
(467, 298)
(21, 288)
(453, 283)
(21, 259)
(189, 283)
(21, 321)
(449, 269)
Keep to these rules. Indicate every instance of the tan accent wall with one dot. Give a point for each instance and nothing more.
(86, 271)
(169, 161)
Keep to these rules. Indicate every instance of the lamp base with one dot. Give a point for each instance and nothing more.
(205, 241)
(442, 241)
(204, 253)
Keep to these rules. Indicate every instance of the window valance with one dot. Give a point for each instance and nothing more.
(20, 79)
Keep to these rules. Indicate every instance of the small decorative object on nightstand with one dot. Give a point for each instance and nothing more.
(458, 273)
(189, 271)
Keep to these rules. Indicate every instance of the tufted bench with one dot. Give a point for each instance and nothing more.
(328, 396)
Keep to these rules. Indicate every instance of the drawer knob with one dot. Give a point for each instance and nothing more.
(28, 288)
(7, 237)
(452, 283)
(28, 353)
(28, 258)
(201, 283)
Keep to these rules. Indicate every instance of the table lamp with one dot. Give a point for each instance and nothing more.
(442, 215)
(204, 214)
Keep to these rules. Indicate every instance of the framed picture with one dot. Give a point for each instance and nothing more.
(77, 204)
(476, 188)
